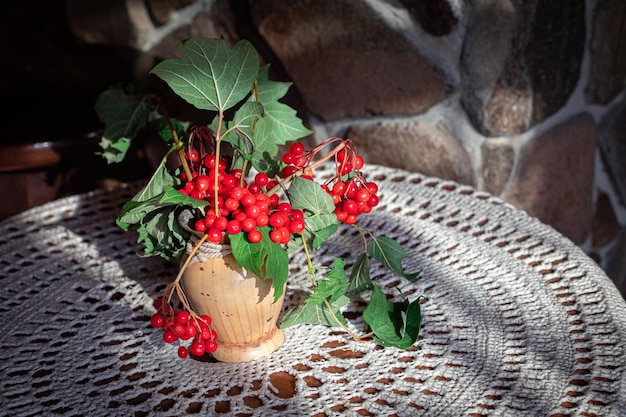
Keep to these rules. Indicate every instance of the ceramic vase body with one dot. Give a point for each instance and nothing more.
(240, 304)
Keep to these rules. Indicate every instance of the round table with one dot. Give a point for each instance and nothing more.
(517, 320)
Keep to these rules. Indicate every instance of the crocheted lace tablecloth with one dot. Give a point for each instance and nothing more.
(517, 320)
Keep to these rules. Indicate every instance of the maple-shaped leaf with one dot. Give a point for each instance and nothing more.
(360, 279)
(390, 253)
(123, 114)
(279, 124)
(308, 195)
(210, 75)
(393, 324)
(332, 287)
(266, 259)
(310, 313)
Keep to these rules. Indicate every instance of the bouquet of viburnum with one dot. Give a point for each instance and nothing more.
(235, 188)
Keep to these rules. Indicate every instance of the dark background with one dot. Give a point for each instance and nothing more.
(49, 85)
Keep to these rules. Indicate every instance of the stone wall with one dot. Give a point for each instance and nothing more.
(524, 99)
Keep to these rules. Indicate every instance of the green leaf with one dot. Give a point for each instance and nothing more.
(264, 157)
(152, 212)
(242, 125)
(155, 219)
(279, 124)
(266, 259)
(123, 114)
(308, 195)
(360, 275)
(268, 90)
(114, 151)
(134, 212)
(332, 287)
(161, 234)
(163, 128)
(251, 256)
(393, 324)
(156, 185)
(281, 119)
(390, 253)
(310, 313)
(318, 229)
(318, 207)
(321, 227)
(210, 75)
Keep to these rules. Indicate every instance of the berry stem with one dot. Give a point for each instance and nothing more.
(175, 285)
(244, 167)
(363, 233)
(314, 165)
(218, 142)
(310, 267)
(313, 279)
(339, 323)
(177, 144)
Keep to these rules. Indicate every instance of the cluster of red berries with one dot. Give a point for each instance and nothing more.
(247, 207)
(351, 194)
(295, 159)
(180, 325)
(242, 207)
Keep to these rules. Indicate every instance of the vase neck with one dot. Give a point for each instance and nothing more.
(208, 250)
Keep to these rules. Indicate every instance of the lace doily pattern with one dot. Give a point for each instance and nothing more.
(517, 320)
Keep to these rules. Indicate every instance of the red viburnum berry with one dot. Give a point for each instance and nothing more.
(169, 336)
(183, 352)
(210, 346)
(296, 148)
(182, 317)
(296, 226)
(261, 179)
(157, 320)
(197, 348)
(248, 225)
(254, 236)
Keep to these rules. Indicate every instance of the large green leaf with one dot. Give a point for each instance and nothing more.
(162, 127)
(280, 121)
(311, 313)
(123, 114)
(155, 219)
(308, 195)
(265, 149)
(360, 275)
(279, 124)
(332, 287)
(266, 259)
(393, 324)
(241, 127)
(161, 234)
(210, 75)
(156, 185)
(320, 227)
(268, 90)
(321, 221)
(390, 253)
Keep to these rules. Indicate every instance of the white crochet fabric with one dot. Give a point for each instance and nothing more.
(517, 321)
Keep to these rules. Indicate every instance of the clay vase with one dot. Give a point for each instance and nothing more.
(240, 304)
